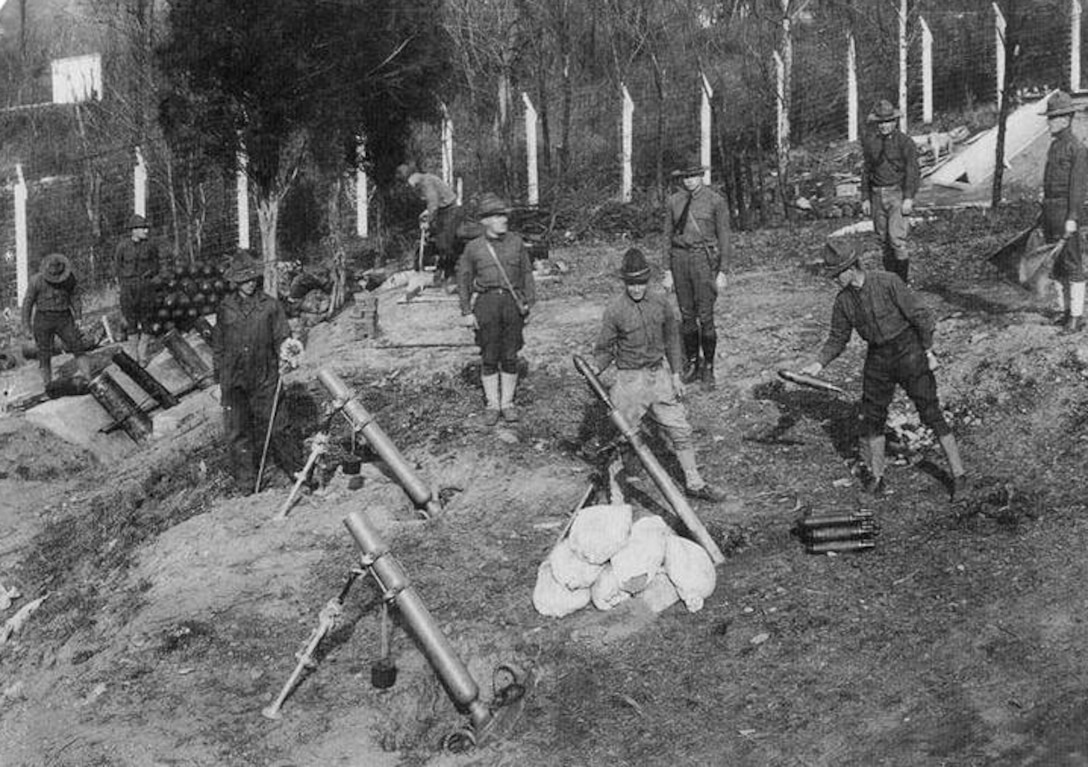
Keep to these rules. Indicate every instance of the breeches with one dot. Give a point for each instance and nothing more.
(46, 325)
(1069, 265)
(500, 331)
(445, 237)
(889, 223)
(246, 413)
(643, 391)
(696, 292)
(135, 301)
(901, 361)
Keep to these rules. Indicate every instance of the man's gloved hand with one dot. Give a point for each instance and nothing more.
(1070, 227)
(907, 207)
(811, 369)
(720, 282)
(469, 321)
(291, 353)
(932, 360)
(866, 208)
(666, 281)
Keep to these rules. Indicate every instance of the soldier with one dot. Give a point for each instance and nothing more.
(1065, 180)
(52, 306)
(697, 231)
(640, 333)
(889, 181)
(495, 267)
(250, 339)
(137, 261)
(899, 331)
(441, 216)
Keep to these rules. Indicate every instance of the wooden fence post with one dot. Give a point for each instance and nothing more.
(22, 251)
(532, 179)
(903, 65)
(241, 184)
(927, 72)
(999, 53)
(139, 185)
(851, 88)
(705, 126)
(1074, 46)
(447, 146)
(626, 143)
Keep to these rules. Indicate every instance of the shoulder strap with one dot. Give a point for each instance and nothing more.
(502, 271)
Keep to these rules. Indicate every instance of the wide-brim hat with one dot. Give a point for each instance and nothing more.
(883, 112)
(1061, 103)
(243, 269)
(56, 268)
(692, 166)
(491, 205)
(840, 256)
(635, 268)
(137, 222)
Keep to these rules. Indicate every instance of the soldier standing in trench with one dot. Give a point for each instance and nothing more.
(697, 233)
(137, 261)
(52, 306)
(899, 330)
(889, 181)
(495, 267)
(249, 341)
(639, 332)
(1065, 181)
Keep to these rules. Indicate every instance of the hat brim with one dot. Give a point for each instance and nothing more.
(61, 278)
(835, 271)
(496, 212)
(243, 275)
(640, 277)
(1058, 112)
(689, 172)
(875, 118)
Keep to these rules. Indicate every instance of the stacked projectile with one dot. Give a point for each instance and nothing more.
(182, 295)
(837, 532)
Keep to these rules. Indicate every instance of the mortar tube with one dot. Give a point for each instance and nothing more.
(144, 379)
(120, 406)
(393, 581)
(653, 467)
(186, 356)
(365, 424)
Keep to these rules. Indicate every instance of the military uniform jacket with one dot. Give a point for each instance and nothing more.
(889, 161)
(707, 223)
(434, 191)
(1066, 174)
(246, 340)
(46, 296)
(136, 260)
(639, 334)
(477, 272)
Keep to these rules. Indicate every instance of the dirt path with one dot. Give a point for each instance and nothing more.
(176, 608)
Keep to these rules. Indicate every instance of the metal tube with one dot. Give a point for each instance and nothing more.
(825, 546)
(653, 467)
(365, 424)
(121, 407)
(144, 379)
(393, 580)
(831, 520)
(838, 533)
(186, 357)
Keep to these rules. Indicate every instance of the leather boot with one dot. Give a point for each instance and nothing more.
(692, 367)
(709, 343)
(1073, 325)
(508, 383)
(45, 367)
(491, 396)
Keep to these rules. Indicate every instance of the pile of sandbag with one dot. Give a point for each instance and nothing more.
(608, 557)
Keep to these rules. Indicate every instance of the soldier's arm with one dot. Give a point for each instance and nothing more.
(917, 313)
(528, 283)
(29, 300)
(838, 336)
(721, 225)
(1078, 182)
(465, 276)
(605, 349)
(75, 301)
(673, 351)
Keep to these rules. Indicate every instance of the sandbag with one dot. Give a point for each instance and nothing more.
(571, 570)
(690, 569)
(641, 558)
(661, 594)
(552, 598)
(598, 532)
(606, 592)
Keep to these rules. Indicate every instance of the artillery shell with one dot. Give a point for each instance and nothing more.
(838, 533)
(830, 520)
(825, 546)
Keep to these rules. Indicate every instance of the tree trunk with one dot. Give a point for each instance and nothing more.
(268, 218)
(1008, 91)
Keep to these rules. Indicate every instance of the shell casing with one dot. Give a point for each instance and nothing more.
(822, 547)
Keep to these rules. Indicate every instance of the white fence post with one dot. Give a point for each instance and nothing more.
(927, 72)
(1074, 46)
(782, 120)
(241, 182)
(999, 54)
(851, 88)
(704, 127)
(362, 195)
(447, 146)
(139, 185)
(22, 251)
(903, 65)
(626, 143)
(459, 187)
(532, 179)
